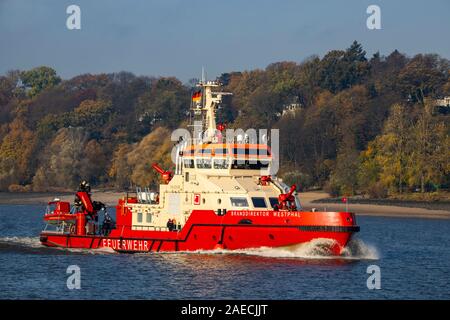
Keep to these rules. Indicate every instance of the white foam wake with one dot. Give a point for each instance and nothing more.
(30, 242)
(358, 249)
(26, 243)
(101, 250)
(314, 249)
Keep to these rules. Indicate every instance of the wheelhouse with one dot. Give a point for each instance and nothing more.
(227, 157)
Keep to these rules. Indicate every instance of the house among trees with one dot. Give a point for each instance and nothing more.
(289, 109)
(443, 105)
(444, 102)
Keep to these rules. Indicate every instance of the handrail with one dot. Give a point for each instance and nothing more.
(148, 228)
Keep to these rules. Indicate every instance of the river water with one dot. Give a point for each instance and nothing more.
(413, 256)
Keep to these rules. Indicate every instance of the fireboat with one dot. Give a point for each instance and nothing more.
(221, 195)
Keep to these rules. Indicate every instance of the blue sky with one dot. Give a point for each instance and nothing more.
(178, 37)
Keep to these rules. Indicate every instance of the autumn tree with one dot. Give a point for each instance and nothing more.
(9, 87)
(344, 177)
(92, 114)
(393, 144)
(430, 153)
(369, 170)
(155, 147)
(120, 170)
(64, 162)
(16, 155)
(424, 76)
(167, 101)
(96, 162)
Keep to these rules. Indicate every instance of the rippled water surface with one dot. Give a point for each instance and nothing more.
(413, 256)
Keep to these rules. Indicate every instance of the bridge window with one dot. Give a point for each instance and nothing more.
(148, 217)
(189, 163)
(203, 163)
(259, 202)
(205, 152)
(220, 151)
(239, 202)
(221, 164)
(273, 201)
(251, 151)
(139, 217)
(249, 164)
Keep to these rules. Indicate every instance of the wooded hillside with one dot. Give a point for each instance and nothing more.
(348, 123)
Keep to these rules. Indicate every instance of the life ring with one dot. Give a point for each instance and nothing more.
(72, 229)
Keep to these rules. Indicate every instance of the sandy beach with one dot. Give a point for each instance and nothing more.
(307, 198)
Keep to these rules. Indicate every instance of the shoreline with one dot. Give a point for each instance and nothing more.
(430, 205)
(321, 201)
(309, 200)
(42, 198)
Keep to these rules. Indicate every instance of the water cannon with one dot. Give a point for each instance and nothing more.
(221, 127)
(264, 180)
(166, 175)
(284, 198)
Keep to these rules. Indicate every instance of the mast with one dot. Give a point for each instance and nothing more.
(208, 107)
(210, 104)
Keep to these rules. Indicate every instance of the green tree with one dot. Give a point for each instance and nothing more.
(38, 79)
(340, 69)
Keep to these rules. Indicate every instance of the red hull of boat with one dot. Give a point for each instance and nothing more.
(205, 230)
